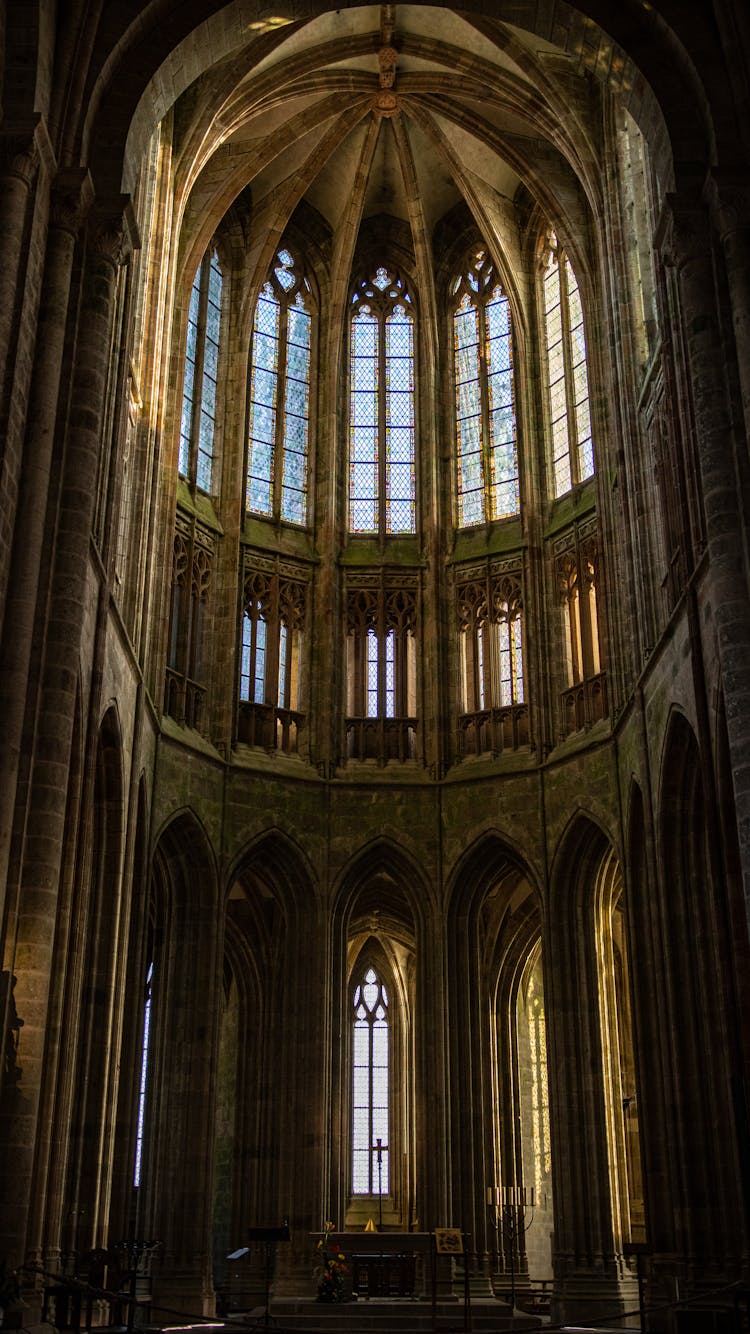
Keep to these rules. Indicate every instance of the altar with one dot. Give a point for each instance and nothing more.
(386, 1264)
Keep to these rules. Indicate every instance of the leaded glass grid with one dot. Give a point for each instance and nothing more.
(370, 1087)
(487, 477)
(199, 388)
(567, 375)
(382, 481)
(279, 394)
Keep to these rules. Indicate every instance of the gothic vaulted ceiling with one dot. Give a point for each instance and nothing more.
(400, 112)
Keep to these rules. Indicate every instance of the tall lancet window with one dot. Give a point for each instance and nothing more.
(279, 419)
(199, 388)
(382, 489)
(567, 377)
(486, 438)
(370, 1091)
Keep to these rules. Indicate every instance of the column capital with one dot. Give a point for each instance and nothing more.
(71, 199)
(727, 195)
(113, 231)
(24, 147)
(683, 231)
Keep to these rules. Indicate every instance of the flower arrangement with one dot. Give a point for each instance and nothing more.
(333, 1268)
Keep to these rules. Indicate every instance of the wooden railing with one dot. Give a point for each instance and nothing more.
(492, 731)
(184, 700)
(584, 704)
(269, 726)
(381, 739)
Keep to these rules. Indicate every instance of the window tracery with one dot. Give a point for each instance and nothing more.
(567, 375)
(199, 389)
(381, 620)
(280, 381)
(382, 480)
(274, 609)
(193, 555)
(370, 1087)
(584, 695)
(493, 716)
(487, 480)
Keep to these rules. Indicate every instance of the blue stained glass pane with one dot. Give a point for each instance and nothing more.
(183, 462)
(557, 399)
(498, 354)
(298, 326)
(294, 469)
(363, 478)
(192, 339)
(469, 435)
(470, 472)
(362, 516)
(500, 388)
(498, 318)
(399, 444)
(399, 482)
(471, 508)
(363, 444)
(263, 386)
(364, 375)
(504, 465)
(583, 420)
(503, 425)
(399, 374)
(468, 399)
(204, 465)
(467, 363)
(265, 351)
(398, 338)
(364, 336)
(505, 499)
(295, 433)
(465, 328)
(206, 433)
(562, 475)
(364, 411)
(298, 362)
(259, 495)
(401, 516)
(262, 423)
(267, 313)
(261, 459)
(586, 459)
(296, 398)
(293, 506)
(400, 409)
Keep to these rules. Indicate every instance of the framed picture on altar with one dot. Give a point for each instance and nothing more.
(449, 1241)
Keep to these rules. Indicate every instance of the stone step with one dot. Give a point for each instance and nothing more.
(387, 1316)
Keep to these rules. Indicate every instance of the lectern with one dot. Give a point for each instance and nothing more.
(268, 1237)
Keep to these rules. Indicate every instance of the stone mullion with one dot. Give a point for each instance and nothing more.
(50, 770)
(688, 247)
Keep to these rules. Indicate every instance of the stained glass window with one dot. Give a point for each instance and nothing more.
(382, 489)
(199, 388)
(143, 1082)
(279, 392)
(567, 377)
(370, 1088)
(487, 484)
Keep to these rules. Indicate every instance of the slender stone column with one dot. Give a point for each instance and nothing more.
(31, 959)
(72, 196)
(686, 243)
(728, 196)
(19, 162)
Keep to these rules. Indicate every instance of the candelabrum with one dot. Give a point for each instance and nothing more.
(507, 1207)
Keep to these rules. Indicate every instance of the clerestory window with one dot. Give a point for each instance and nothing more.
(567, 376)
(382, 485)
(199, 389)
(279, 414)
(487, 482)
(381, 619)
(370, 1087)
